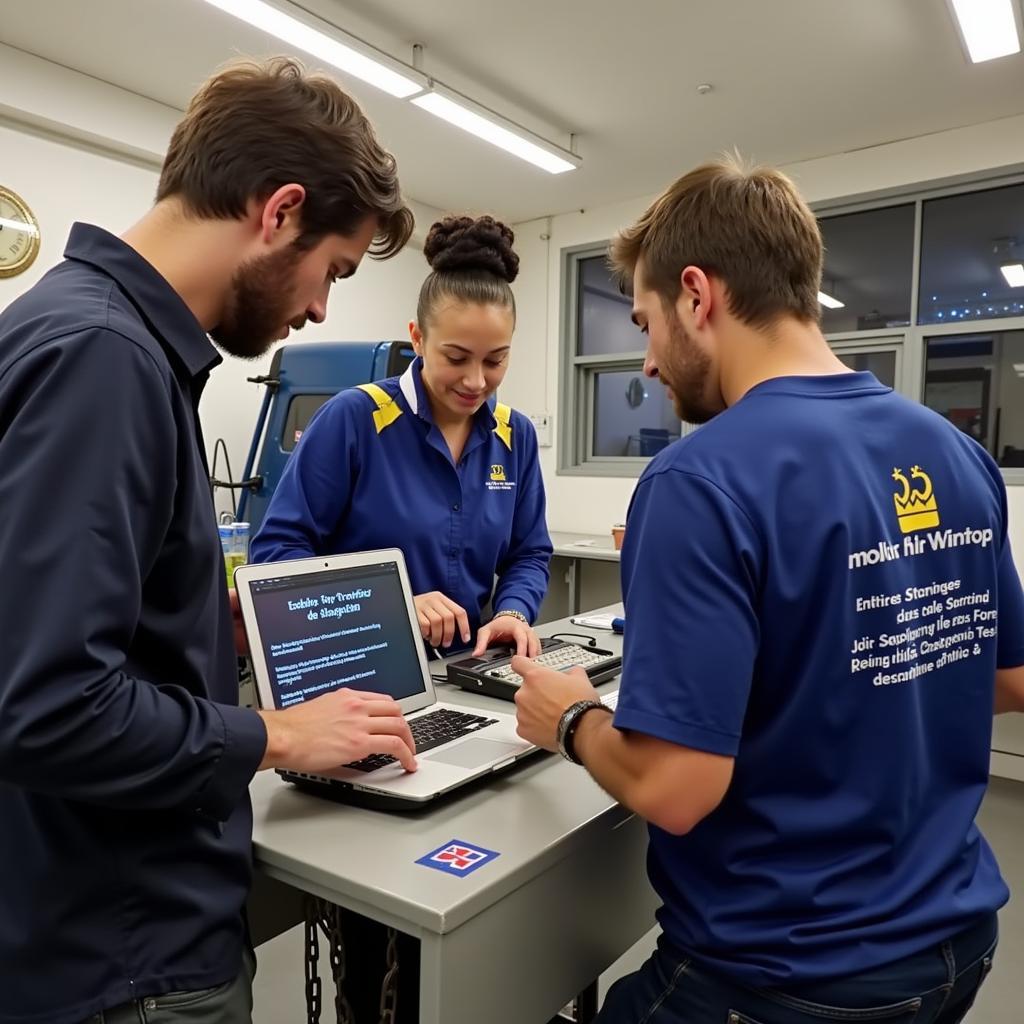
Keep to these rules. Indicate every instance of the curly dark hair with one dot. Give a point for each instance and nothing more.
(471, 260)
(255, 126)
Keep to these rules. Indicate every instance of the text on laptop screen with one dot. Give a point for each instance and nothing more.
(337, 628)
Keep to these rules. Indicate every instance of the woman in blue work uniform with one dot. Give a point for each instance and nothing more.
(431, 462)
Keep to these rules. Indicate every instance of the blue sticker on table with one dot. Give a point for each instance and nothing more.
(457, 858)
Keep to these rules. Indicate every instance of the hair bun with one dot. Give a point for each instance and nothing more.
(465, 244)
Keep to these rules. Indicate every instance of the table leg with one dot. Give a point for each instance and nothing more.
(574, 586)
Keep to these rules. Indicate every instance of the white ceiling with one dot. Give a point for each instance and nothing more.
(792, 79)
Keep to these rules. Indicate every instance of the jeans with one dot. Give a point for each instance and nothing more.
(937, 986)
(230, 1003)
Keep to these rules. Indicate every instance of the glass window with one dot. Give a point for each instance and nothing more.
(869, 268)
(882, 364)
(950, 352)
(605, 327)
(966, 242)
(632, 415)
(977, 382)
(300, 412)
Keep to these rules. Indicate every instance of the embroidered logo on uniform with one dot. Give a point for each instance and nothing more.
(457, 858)
(497, 480)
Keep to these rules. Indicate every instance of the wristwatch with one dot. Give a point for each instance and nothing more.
(569, 723)
(515, 615)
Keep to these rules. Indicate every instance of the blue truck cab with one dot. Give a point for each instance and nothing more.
(302, 377)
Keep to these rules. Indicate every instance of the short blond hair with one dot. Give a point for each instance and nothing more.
(747, 226)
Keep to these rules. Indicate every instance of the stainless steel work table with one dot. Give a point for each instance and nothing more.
(518, 938)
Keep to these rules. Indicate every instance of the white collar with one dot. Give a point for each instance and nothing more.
(407, 385)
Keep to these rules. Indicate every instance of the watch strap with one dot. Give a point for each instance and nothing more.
(569, 723)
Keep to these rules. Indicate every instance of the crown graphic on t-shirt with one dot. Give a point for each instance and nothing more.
(916, 508)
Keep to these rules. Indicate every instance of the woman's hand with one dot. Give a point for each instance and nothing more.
(440, 617)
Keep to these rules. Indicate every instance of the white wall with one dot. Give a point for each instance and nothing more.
(63, 103)
(62, 183)
(79, 149)
(592, 504)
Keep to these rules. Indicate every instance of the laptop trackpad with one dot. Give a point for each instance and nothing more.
(474, 752)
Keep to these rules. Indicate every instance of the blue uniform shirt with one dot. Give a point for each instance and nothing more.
(813, 583)
(372, 470)
(125, 825)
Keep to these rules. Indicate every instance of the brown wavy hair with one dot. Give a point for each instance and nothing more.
(255, 126)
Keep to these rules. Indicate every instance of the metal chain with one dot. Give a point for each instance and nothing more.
(331, 918)
(321, 914)
(389, 987)
(312, 957)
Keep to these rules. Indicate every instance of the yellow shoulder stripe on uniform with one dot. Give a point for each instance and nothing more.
(387, 411)
(503, 415)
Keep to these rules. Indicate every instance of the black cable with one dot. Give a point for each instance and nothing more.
(440, 657)
(591, 641)
(218, 446)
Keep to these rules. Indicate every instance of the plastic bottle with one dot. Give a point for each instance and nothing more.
(239, 551)
(227, 547)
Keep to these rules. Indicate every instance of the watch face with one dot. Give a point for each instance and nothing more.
(19, 234)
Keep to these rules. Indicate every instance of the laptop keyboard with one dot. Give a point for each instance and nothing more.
(429, 731)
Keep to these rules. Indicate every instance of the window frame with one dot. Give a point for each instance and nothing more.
(576, 405)
(576, 372)
(881, 341)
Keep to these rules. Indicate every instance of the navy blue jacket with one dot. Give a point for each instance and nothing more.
(373, 470)
(125, 824)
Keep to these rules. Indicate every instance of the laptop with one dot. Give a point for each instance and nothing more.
(320, 624)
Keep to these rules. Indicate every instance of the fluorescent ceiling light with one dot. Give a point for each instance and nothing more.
(1018, 368)
(829, 302)
(375, 70)
(368, 64)
(1014, 274)
(988, 28)
(19, 225)
(546, 156)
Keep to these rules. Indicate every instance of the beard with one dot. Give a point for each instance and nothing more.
(262, 294)
(687, 374)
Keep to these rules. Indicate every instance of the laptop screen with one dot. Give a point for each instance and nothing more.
(322, 631)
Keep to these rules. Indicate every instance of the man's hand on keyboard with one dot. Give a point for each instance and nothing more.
(510, 630)
(321, 734)
(543, 697)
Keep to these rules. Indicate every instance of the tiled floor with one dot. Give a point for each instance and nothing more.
(1002, 821)
(279, 983)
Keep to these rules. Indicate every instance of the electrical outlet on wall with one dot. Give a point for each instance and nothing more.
(542, 423)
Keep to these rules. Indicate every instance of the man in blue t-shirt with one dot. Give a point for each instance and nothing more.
(822, 611)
